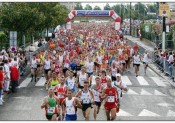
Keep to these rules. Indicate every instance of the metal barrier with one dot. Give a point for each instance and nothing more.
(161, 63)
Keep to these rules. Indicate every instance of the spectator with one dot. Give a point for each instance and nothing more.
(1, 84)
(6, 76)
(14, 77)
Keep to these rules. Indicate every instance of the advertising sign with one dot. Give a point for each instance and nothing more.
(164, 9)
(13, 40)
(92, 13)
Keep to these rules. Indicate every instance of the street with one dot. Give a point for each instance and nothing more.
(148, 98)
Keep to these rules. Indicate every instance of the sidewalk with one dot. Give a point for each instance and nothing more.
(150, 46)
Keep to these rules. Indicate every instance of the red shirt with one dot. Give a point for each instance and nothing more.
(14, 73)
(111, 98)
(1, 80)
(136, 47)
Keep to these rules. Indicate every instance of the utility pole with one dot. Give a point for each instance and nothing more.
(130, 18)
(163, 35)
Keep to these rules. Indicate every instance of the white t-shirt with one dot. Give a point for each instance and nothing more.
(89, 66)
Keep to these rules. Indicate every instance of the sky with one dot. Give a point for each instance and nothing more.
(101, 5)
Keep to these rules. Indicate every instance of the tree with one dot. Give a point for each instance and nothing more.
(78, 6)
(88, 7)
(29, 18)
(116, 8)
(107, 7)
(97, 8)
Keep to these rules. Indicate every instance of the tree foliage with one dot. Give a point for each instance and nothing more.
(97, 8)
(88, 7)
(78, 6)
(107, 7)
(29, 18)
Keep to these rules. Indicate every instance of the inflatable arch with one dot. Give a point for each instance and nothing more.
(94, 13)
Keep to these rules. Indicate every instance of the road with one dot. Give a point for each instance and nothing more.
(148, 98)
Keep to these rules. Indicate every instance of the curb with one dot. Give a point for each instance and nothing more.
(172, 83)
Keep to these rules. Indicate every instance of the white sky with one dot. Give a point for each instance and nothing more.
(101, 5)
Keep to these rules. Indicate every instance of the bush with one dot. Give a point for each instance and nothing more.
(3, 40)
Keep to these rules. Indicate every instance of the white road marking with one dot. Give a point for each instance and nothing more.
(123, 113)
(156, 92)
(165, 104)
(142, 81)
(41, 82)
(144, 92)
(158, 81)
(25, 83)
(126, 80)
(170, 113)
(131, 92)
(145, 112)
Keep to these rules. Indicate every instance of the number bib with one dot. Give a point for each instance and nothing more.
(110, 99)
(71, 85)
(70, 110)
(60, 95)
(86, 101)
(51, 110)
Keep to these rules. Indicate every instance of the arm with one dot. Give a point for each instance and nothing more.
(63, 105)
(103, 95)
(78, 103)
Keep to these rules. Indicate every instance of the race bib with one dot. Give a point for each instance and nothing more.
(104, 84)
(51, 110)
(86, 101)
(60, 96)
(71, 85)
(110, 99)
(70, 110)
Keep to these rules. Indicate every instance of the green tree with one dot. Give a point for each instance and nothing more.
(78, 6)
(117, 9)
(97, 8)
(107, 7)
(88, 7)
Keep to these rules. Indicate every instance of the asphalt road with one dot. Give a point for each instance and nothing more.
(148, 98)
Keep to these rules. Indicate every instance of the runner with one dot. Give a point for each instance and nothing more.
(120, 86)
(69, 106)
(53, 81)
(110, 94)
(47, 68)
(136, 62)
(81, 77)
(50, 105)
(103, 79)
(145, 60)
(87, 98)
(90, 66)
(33, 67)
(71, 82)
(97, 91)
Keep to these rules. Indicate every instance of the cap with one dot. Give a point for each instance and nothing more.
(118, 75)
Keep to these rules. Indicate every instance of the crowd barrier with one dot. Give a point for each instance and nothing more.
(161, 63)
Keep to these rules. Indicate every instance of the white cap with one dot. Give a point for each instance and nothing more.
(117, 74)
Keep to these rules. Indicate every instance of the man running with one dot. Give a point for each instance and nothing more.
(97, 91)
(87, 98)
(110, 95)
(69, 106)
(50, 105)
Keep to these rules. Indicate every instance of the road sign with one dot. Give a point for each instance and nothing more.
(146, 28)
(13, 40)
(164, 9)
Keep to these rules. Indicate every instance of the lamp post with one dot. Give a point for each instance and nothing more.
(163, 35)
(130, 18)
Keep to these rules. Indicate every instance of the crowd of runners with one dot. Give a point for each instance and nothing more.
(83, 68)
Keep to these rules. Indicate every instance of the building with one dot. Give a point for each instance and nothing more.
(70, 5)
